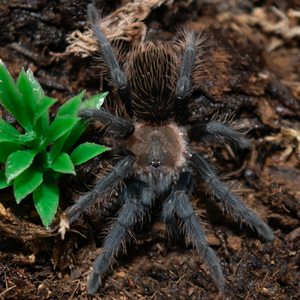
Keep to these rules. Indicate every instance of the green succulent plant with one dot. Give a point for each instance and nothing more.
(37, 156)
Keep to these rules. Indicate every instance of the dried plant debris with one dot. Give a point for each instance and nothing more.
(278, 28)
(124, 24)
(288, 137)
(11, 226)
(284, 25)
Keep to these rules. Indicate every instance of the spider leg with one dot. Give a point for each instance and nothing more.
(169, 219)
(228, 201)
(189, 54)
(116, 125)
(103, 187)
(216, 132)
(117, 76)
(136, 199)
(178, 202)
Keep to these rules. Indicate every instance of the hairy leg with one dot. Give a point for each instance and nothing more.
(119, 126)
(178, 202)
(169, 219)
(218, 132)
(136, 200)
(228, 201)
(117, 76)
(189, 54)
(103, 187)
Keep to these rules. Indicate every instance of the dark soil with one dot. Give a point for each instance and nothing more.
(252, 71)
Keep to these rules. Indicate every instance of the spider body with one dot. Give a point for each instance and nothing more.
(156, 160)
(158, 149)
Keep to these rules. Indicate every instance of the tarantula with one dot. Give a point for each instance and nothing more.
(156, 160)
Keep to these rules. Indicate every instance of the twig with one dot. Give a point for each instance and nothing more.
(6, 285)
(74, 290)
(238, 264)
(12, 287)
(279, 13)
(153, 295)
(41, 60)
(179, 279)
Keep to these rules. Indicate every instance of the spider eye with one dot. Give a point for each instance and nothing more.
(156, 163)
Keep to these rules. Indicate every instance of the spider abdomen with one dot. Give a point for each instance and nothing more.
(152, 69)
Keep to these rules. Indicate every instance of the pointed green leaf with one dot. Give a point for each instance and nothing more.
(42, 106)
(26, 183)
(91, 103)
(6, 128)
(27, 95)
(7, 148)
(57, 146)
(71, 107)
(41, 126)
(43, 160)
(75, 134)
(3, 183)
(63, 164)
(17, 163)
(9, 93)
(86, 151)
(37, 89)
(9, 133)
(45, 199)
(94, 102)
(27, 137)
(11, 99)
(60, 126)
(6, 138)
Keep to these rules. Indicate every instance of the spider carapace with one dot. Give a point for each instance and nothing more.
(156, 156)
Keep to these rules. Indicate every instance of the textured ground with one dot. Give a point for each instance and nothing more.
(252, 70)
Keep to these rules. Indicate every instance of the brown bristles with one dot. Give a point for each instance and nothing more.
(152, 69)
